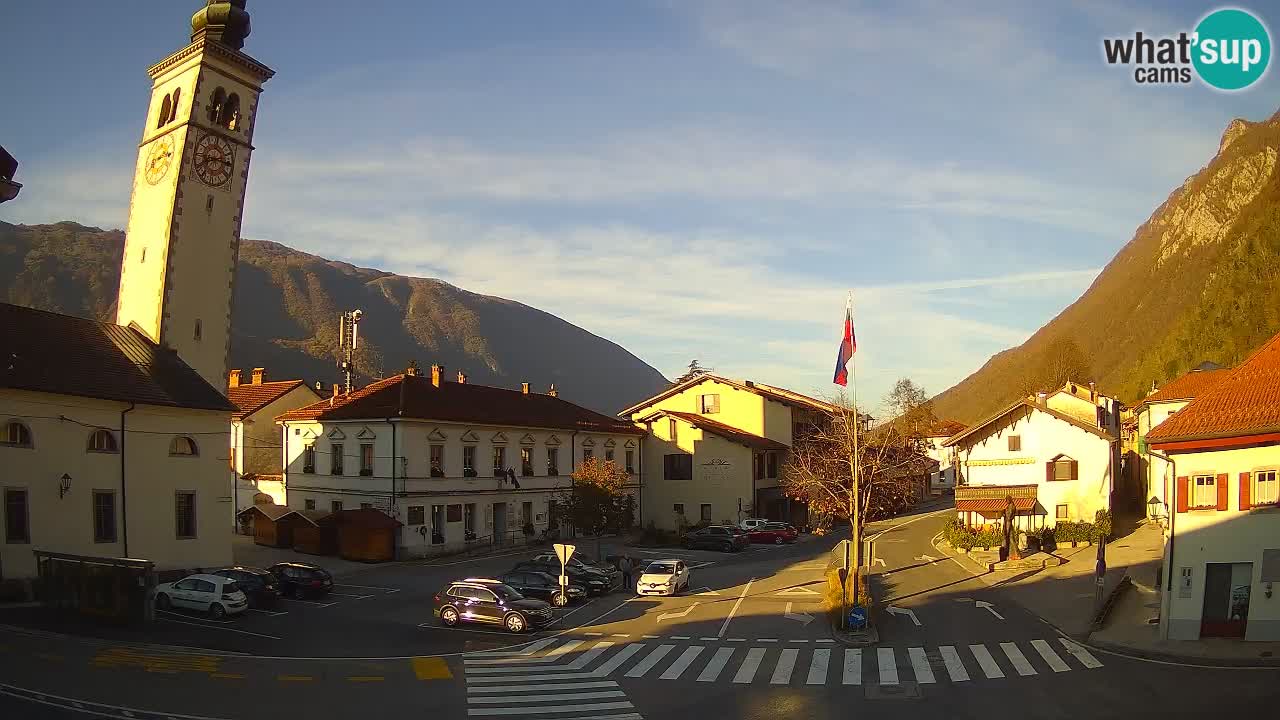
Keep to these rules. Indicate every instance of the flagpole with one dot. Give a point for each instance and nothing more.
(857, 467)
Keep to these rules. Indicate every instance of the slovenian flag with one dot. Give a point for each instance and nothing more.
(848, 345)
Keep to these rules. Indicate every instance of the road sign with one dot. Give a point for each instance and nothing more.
(564, 552)
(857, 617)
(844, 575)
(842, 553)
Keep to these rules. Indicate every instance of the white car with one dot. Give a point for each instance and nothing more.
(663, 577)
(752, 523)
(212, 594)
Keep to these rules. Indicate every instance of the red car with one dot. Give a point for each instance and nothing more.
(774, 532)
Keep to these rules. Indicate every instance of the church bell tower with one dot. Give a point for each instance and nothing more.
(183, 237)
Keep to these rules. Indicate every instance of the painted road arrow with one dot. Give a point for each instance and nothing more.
(903, 611)
(794, 591)
(704, 590)
(927, 558)
(680, 614)
(803, 617)
(988, 607)
(878, 560)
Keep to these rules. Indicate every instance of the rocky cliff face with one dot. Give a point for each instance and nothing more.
(286, 308)
(1200, 280)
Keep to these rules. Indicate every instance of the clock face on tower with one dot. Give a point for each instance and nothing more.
(213, 160)
(159, 159)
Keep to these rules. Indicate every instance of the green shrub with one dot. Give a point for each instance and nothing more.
(1102, 520)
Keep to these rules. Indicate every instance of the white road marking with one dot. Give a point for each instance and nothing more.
(795, 591)
(531, 649)
(678, 614)
(529, 678)
(1079, 653)
(681, 637)
(766, 639)
(747, 670)
(734, 610)
(1017, 658)
(797, 641)
(818, 668)
(308, 602)
(618, 659)
(596, 634)
(713, 639)
(888, 666)
(650, 637)
(349, 595)
(621, 635)
(522, 661)
(682, 663)
(587, 657)
(272, 613)
(852, 667)
(591, 695)
(368, 587)
(955, 668)
(649, 661)
(986, 662)
(735, 640)
(472, 690)
(718, 661)
(222, 629)
(553, 709)
(786, 663)
(920, 666)
(1050, 657)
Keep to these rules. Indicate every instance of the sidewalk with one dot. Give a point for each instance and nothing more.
(245, 552)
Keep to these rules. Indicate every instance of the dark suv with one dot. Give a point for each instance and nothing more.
(718, 537)
(260, 586)
(301, 579)
(489, 602)
(596, 582)
(542, 586)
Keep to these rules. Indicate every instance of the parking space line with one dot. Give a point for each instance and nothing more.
(309, 602)
(294, 678)
(207, 620)
(222, 629)
(734, 610)
(226, 676)
(349, 595)
(272, 613)
(368, 587)
(433, 626)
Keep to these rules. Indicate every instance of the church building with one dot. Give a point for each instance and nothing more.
(114, 436)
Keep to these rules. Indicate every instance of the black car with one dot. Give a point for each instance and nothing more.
(489, 602)
(718, 537)
(260, 586)
(542, 586)
(595, 582)
(301, 579)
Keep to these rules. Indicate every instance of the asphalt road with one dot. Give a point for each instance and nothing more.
(748, 640)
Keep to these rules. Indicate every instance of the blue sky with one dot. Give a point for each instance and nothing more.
(688, 179)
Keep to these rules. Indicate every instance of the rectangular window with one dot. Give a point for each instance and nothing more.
(469, 520)
(1204, 490)
(608, 456)
(16, 527)
(417, 514)
(672, 428)
(437, 461)
(437, 524)
(706, 512)
(366, 506)
(308, 504)
(185, 514)
(1060, 512)
(772, 471)
(366, 459)
(469, 460)
(553, 461)
(335, 506)
(499, 461)
(454, 513)
(1266, 488)
(1065, 469)
(631, 461)
(1015, 443)
(104, 516)
(678, 508)
(588, 453)
(309, 458)
(677, 467)
(709, 404)
(526, 461)
(335, 458)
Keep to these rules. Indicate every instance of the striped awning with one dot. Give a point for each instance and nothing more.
(994, 505)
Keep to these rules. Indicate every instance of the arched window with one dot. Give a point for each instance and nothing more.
(183, 445)
(216, 102)
(102, 441)
(173, 110)
(165, 108)
(231, 113)
(16, 434)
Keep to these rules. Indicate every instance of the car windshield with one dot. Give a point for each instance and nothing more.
(505, 592)
(659, 568)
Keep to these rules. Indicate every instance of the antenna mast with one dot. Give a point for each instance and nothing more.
(348, 335)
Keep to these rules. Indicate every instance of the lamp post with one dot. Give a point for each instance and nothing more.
(64, 486)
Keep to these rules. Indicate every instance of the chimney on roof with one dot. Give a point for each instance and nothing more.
(1093, 391)
(233, 379)
(319, 386)
(524, 388)
(462, 378)
(258, 374)
(436, 372)
(412, 369)
(335, 393)
(553, 392)
(1042, 399)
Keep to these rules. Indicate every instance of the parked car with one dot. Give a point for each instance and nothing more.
(490, 602)
(213, 594)
(717, 537)
(663, 577)
(773, 532)
(301, 579)
(597, 582)
(542, 586)
(752, 523)
(578, 560)
(260, 586)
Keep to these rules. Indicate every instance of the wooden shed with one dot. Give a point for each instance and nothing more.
(268, 528)
(367, 535)
(315, 532)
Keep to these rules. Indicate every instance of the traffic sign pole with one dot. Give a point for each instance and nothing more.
(564, 552)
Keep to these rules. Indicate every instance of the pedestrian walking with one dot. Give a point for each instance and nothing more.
(624, 564)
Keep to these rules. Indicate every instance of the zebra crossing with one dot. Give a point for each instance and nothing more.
(526, 684)
(571, 662)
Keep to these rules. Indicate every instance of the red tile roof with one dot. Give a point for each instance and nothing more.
(47, 352)
(733, 434)
(946, 428)
(249, 399)
(1023, 405)
(1245, 401)
(413, 396)
(1188, 387)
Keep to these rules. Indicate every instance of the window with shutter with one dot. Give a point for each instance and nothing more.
(1244, 490)
(1184, 493)
(1265, 488)
(1204, 492)
(1221, 487)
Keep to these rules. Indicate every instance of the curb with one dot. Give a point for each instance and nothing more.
(857, 640)
(1174, 658)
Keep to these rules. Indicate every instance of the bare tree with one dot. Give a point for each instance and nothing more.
(909, 405)
(1060, 361)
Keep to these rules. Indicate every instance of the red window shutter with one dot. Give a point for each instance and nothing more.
(1075, 469)
(1184, 493)
(1244, 491)
(1222, 491)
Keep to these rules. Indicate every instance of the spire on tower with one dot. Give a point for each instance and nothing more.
(222, 21)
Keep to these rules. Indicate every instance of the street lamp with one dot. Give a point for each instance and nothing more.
(64, 487)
